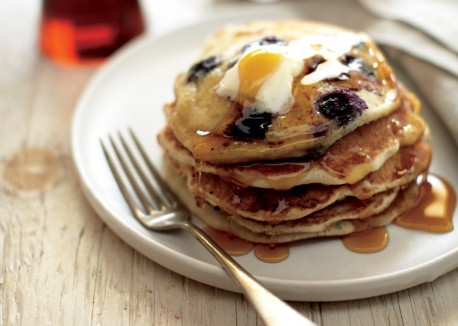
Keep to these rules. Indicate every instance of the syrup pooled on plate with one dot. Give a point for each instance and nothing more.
(435, 207)
(369, 241)
(433, 213)
(271, 253)
(233, 245)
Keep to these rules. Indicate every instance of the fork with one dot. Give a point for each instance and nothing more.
(163, 211)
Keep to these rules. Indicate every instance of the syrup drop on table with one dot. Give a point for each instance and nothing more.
(369, 241)
(271, 253)
(32, 169)
(233, 245)
(434, 209)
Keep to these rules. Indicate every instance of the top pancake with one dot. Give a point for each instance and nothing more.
(204, 121)
(348, 160)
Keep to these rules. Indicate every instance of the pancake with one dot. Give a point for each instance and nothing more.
(288, 232)
(347, 161)
(402, 203)
(348, 208)
(288, 130)
(272, 206)
(211, 126)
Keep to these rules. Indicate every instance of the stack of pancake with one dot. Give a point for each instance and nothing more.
(288, 130)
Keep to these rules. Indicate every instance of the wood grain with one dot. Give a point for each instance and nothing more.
(61, 265)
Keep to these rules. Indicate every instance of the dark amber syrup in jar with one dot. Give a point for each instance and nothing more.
(86, 32)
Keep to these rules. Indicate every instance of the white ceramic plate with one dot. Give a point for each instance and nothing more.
(130, 91)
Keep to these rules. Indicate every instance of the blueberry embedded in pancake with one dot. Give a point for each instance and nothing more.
(202, 68)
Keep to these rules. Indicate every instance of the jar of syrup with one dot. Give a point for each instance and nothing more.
(86, 32)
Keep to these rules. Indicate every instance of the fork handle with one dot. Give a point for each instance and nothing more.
(270, 308)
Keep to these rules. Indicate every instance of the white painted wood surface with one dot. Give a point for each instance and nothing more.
(59, 263)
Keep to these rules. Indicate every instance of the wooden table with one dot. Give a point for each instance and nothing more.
(61, 265)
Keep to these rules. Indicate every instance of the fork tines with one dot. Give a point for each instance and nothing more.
(141, 182)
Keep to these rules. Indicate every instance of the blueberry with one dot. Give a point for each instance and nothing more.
(264, 41)
(272, 39)
(342, 106)
(202, 68)
(357, 64)
(251, 125)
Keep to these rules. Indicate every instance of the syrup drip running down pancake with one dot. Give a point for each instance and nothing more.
(289, 130)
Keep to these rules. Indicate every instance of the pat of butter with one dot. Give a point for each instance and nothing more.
(274, 95)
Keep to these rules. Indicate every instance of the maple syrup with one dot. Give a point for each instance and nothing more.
(271, 253)
(85, 32)
(433, 212)
(434, 209)
(369, 241)
(233, 245)
(32, 169)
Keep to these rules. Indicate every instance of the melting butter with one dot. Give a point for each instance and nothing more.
(269, 87)
(326, 70)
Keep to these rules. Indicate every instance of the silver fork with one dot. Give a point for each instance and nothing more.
(164, 211)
